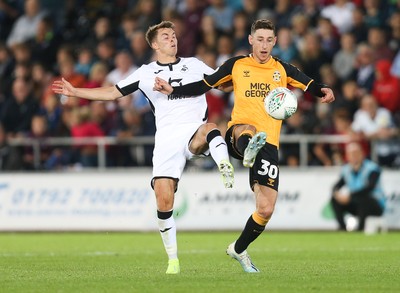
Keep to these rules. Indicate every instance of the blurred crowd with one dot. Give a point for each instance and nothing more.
(352, 46)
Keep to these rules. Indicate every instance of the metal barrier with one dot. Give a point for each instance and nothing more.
(302, 140)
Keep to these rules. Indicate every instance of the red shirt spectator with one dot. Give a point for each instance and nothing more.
(386, 88)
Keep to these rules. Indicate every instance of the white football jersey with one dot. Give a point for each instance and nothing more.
(173, 109)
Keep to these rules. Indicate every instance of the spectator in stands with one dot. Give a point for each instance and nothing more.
(85, 61)
(224, 49)
(192, 16)
(282, 13)
(300, 28)
(376, 124)
(358, 191)
(256, 9)
(97, 75)
(375, 16)
(340, 13)
(52, 111)
(38, 131)
(329, 36)
(240, 31)
(386, 87)
(289, 154)
(222, 15)
(147, 13)
(9, 11)
(6, 68)
(81, 125)
(285, 49)
(343, 60)
(394, 24)
(377, 39)
(185, 34)
(348, 98)
(41, 78)
(128, 127)
(333, 154)
(17, 111)
(309, 8)
(102, 30)
(312, 56)
(395, 67)
(364, 70)
(140, 49)
(127, 27)
(46, 42)
(208, 35)
(26, 25)
(359, 29)
(10, 157)
(105, 52)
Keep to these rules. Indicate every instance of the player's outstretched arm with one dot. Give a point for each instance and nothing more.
(63, 87)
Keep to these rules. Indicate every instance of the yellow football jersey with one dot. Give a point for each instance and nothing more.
(252, 81)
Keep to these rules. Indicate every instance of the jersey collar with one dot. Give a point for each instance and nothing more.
(169, 64)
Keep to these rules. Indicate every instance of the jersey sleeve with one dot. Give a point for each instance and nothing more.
(129, 84)
(295, 77)
(223, 73)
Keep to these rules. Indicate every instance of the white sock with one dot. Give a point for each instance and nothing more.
(218, 149)
(168, 235)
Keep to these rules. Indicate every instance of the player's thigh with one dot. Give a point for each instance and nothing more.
(265, 170)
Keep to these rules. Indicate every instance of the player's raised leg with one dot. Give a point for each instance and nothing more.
(209, 137)
(165, 189)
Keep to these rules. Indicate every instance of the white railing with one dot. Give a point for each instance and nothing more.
(102, 142)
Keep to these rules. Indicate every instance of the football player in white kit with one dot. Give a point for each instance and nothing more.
(182, 129)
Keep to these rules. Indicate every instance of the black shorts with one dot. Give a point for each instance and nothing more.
(265, 170)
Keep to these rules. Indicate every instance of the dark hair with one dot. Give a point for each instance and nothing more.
(152, 31)
(262, 24)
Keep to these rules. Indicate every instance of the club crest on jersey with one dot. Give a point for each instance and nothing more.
(276, 76)
(246, 73)
(184, 68)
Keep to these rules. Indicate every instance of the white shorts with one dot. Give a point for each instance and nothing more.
(171, 150)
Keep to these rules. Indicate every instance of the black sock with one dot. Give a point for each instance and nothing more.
(242, 142)
(250, 233)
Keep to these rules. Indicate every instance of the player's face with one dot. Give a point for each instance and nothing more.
(166, 42)
(262, 41)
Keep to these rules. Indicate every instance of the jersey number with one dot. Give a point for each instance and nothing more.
(267, 168)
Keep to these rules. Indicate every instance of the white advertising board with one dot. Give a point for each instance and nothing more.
(116, 201)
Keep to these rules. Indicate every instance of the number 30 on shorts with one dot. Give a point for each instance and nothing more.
(267, 168)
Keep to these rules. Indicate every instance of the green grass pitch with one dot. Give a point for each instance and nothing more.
(136, 262)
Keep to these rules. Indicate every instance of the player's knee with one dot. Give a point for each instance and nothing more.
(265, 212)
(210, 126)
(164, 202)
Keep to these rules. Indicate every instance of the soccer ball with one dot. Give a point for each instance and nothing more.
(280, 103)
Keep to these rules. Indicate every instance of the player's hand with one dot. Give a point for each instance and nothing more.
(328, 95)
(63, 87)
(162, 86)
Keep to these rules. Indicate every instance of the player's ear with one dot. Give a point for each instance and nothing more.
(251, 40)
(154, 45)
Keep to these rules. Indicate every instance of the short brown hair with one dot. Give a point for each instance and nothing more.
(262, 24)
(152, 31)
